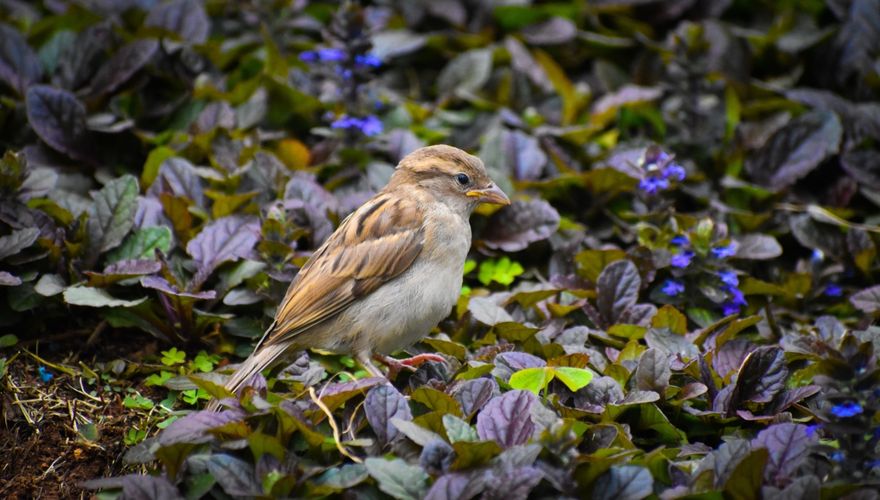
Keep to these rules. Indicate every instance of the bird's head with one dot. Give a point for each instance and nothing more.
(450, 174)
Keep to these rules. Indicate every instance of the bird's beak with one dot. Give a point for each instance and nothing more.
(491, 194)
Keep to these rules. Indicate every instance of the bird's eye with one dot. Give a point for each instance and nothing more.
(463, 179)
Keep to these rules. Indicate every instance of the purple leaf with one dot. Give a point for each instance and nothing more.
(143, 487)
(186, 18)
(124, 63)
(218, 114)
(485, 310)
(473, 394)
(383, 403)
(334, 395)
(507, 363)
(796, 149)
(757, 247)
(638, 314)
(863, 166)
(12, 244)
(653, 372)
(317, 203)
(60, 120)
(802, 488)
(457, 486)
(723, 461)
(507, 419)
(789, 397)
(858, 38)
(514, 227)
(618, 289)
(122, 270)
(234, 475)
(513, 484)
(7, 279)
(161, 284)
(761, 377)
(521, 60)
(624, 482)
(553, 31)
(788, 444)
(194, 427)
(600, 392)
(523, 154)
(730, 356)
(867, 300)
(19, 66)
(178, 177)
(606, 106)
(224, 240)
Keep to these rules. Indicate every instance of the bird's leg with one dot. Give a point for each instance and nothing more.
(395, 366)
(363, 358)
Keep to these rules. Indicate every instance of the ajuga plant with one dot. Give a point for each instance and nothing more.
(346, 67)
(849, 447)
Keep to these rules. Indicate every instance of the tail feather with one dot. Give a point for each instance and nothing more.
(261, 359)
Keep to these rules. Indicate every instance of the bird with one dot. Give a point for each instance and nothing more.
(388, 274)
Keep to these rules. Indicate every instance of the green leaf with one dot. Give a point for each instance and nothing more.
(96, 297)
(531, 379)
(8, 340)
(458, 430)
(573, 378)
(398, 478)
(261, 444)
(173, 357)
(142, 244)
(502, 271)
(137, 402)
(112, 215)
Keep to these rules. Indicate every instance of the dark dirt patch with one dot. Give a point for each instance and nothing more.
(44, 456)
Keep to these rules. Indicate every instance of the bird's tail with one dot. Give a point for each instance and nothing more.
(262, 358)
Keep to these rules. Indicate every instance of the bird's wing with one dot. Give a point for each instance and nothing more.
(373, 245)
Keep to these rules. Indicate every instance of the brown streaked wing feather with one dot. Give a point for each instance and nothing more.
(373, 245)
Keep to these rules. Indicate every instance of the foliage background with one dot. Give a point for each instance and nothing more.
(696, 187)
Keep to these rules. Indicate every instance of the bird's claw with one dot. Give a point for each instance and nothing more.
(395, 366)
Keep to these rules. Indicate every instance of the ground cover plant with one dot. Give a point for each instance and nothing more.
(680, 302)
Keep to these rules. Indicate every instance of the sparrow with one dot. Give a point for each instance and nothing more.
(389, 273)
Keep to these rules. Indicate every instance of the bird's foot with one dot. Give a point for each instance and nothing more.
(395, 366)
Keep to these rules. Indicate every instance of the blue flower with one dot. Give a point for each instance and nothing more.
(653, 185)
(680, 240)
(723, 252)
(736, 296)
(812, 429)
(308, 56)
(675, 172)
(870, 464)
(45, 375)
(322, 55)
(817, 256)
(682, 260)
(735, 303)
(369, 126)
(833, 290)
(331, 55)
(368, 60)
(729, 278)
(729, 308)
(846, 410)
(672, 288)
(837, 456)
